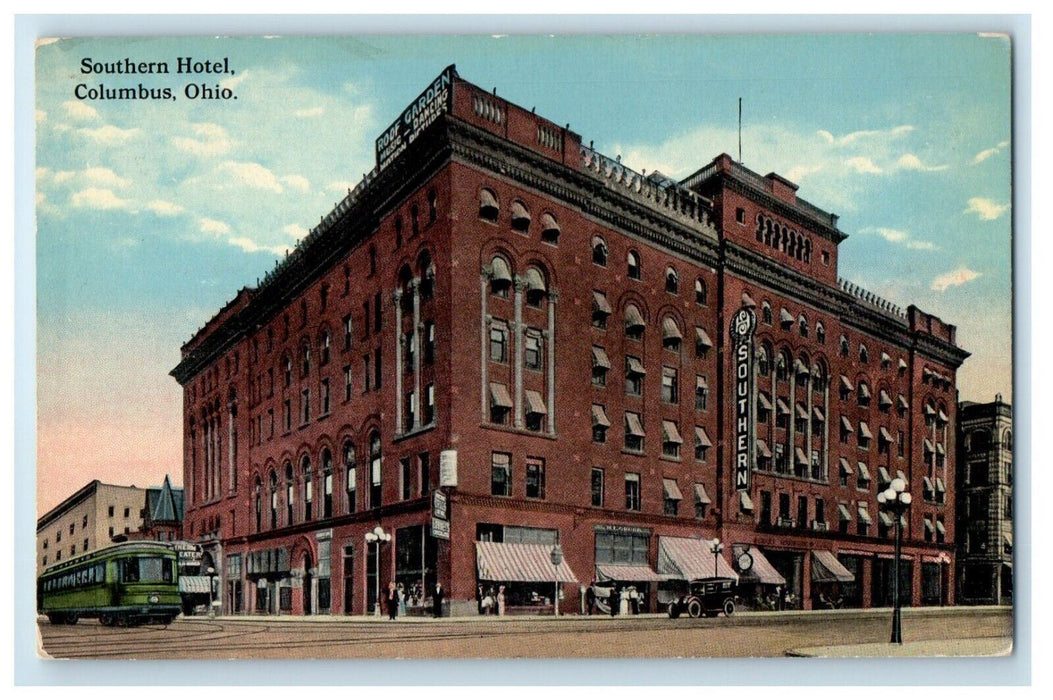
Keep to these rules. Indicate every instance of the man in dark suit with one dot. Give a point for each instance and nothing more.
(436, 600)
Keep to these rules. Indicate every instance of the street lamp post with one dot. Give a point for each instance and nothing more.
(716, 547)
(377, 536)
(557, 559)
(211, 593)
(896, 500)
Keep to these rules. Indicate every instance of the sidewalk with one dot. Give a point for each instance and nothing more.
(985, 646)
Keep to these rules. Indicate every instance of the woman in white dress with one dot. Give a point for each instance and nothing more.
(623, 606)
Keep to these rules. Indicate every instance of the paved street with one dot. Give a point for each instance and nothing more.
(757, 634)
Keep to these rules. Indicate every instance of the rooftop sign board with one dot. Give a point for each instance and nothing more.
(437, 99)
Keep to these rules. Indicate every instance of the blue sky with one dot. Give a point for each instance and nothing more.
(150, 215)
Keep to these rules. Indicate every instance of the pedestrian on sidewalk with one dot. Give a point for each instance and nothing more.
(590, 597)
(392, 601)
(501, 601)
(436, 600)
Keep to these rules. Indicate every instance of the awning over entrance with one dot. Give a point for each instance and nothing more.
(827, 569)
(762, 571)
(687, 558)
(194, 584)
(625, 572)
(513, 561)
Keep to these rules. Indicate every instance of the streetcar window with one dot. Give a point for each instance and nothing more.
(147, 569)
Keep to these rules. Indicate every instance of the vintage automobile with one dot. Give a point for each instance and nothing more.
(705, 596)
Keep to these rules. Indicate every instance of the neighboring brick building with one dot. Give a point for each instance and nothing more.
(554, 329)
(99, 514)
(985, 503)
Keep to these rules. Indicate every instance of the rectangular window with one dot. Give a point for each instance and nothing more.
(632, 491)
(765, 509)
(365, 313)
(411, 411)
(348, 384)
(305, 406)
(702, 394)
(428, 414)
(405, 479)
(634, 435)
(501, 474)
(287, 414)
(802, 511)
(597, 487)
(535, 478)
(424, 467)
(376, 312)
(429, 342)
(409, 343)
(670, 385)
(367, 375)
(634, 376)
(499, 344)
(348, 330)
(378, 369)
(600, 364)
(109, 511)
(325, 397)
(533, 350)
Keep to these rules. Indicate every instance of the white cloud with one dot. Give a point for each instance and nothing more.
(341, 186)
(955, 278)
(295, 231)
(104, 177)
(862, 164)
(985, 208)
(79, 111)
(899, 237)
(163, 208)
(909, 161)
(97, 198)
(297, 182)
(231, 83)
(110, 135)
(866, 135)
(251, 175)
(250, 246)
(212, 140)
(988, 152)
(309, 112)
(213, 226)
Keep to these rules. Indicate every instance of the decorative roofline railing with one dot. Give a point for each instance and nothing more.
(671, 198)
(871, 299)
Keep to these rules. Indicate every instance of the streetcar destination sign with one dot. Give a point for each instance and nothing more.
(742, 326)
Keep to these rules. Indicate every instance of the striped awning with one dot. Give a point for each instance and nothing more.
(499, 395)
(688, 558)
(599, 416)
(827, 569)
(625, 572)
(499, 271)
(519, 212)
(846, 468)
(702, 338)
(700, 495)
(671, 491)
(633, 319)
(535, 404)
(785, 316)
(701, 438)
(634, 366)
(600, 305)
(761, 571)
(863, 514)
(633, 426)
(842, 511)
(195, 584)
(902, 402)
(884, 399)
(864, 431)
(818, 414)
(762, 449)
(514, 561)
(765, 402)
(548, 223)
(670, 331)
(599, 357)
(846, 424)
(670, 433)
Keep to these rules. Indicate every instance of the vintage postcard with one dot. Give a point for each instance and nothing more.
(524, 346)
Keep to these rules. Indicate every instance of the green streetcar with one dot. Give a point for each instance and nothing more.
(125, 584)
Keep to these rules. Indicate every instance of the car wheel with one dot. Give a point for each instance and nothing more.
(694, 607)
(71, 618)
(55, 618)
(674, 610)
(729, 607)
(106, 620)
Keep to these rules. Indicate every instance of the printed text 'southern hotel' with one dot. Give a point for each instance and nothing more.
(554, 344)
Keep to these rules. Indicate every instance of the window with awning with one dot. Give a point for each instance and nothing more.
(886, 519)
(801, 457)
(599, 358)
(534, 280)
(843, 514)
(549, 228)
(885, 359)
(928, 526)
(864, 471)
(929, 410)
(902, 364)
(827, 569)
(864, 391)
(670, 331)
(514, 561)
(800, 368)
(600, 305)
(786, 317)
(942, 417)
(762, 449)
(599, 417)
(940, 487)
(765, 402)
(633, 426)
(864, 431)
(701, 438)
(633, 320)
(802, 412)
(635, 367)
(671, 491)
(902, 403)
(940, 527)
(846, 384)
(748, 302)
(670, 433)
(535, 404)
(884, 400)
(745, 502)
(499, 271)
(864, 516)
(901, 475)
(520, 216)
(499, 396)
(782, 406)
(817, 414)
(846, 468)
(926, 484)
(927, 444)
(846, 424)
(702, 339)
(487, 205)
(939, 449)
(700, 495)
(885, 435)
(883, 476)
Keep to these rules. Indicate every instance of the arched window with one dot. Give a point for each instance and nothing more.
(1007, 441)
(671, 335)
(820, 333)
(763, 361)
(375, 459)
(426, 273)
(844, 347)
(633, 264)
(327, 483)
(520, 217)
(500, 277)
(536, 288)
(672, 281)
(700, 292)
(305, 360)
(488, 208)
(634, 322)
(863, 394)
(802, 326)
(290, 495)
(350, 476)
(549, 229)
(433, 206)
(405, 282)
(863, 356)
(782, 367)
(599, 251)
(323, 341)
(287, 369)
(308, 487)
(766, 317)
(274, 499)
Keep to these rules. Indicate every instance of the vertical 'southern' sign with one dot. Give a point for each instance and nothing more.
(742, 326)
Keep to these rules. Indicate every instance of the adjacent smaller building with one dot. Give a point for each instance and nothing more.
(99, 514)
(985, 503)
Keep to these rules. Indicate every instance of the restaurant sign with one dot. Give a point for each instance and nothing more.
(435, 101)
(742, 326)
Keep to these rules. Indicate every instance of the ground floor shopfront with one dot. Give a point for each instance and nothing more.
(500, 549)
(987, 582)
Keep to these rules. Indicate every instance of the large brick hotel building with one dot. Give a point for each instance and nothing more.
(564, 350)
